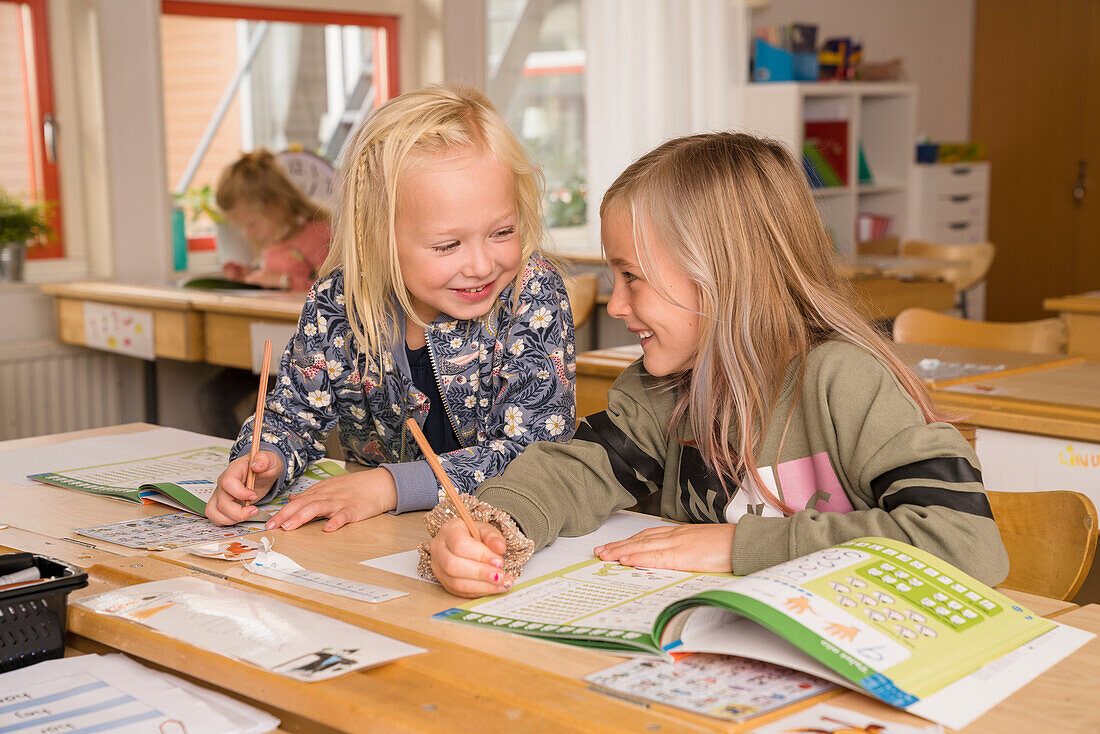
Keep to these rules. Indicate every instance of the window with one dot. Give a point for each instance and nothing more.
(241, 77)
(536, 64)
(28, 164)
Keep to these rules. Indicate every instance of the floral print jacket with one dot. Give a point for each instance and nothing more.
(507, 380)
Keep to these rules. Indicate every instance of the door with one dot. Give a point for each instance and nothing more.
(1035, 104)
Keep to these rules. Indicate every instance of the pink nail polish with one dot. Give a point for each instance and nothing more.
(497, 562)
(496, 577)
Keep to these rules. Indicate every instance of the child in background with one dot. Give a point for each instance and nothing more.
(765, 411)
(435, 303)
(289, 231)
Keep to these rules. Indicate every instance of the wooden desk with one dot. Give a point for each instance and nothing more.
(1006, 363)
(471, 679)
(1048, 395)
(188, 325)
(1062, 400)
(1081, 314)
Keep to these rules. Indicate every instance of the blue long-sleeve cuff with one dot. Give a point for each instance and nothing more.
(417, 487)
(280, 481)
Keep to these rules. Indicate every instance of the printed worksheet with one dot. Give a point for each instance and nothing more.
(180, 529)
(595, 600)
(112, 693)
(167, 531)
(726, 686)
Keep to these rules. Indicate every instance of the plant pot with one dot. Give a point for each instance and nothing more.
(12, 257)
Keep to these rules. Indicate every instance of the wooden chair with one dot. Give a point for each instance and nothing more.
(1050, 538)
(973, 260)
(582, 290)
(921, 326)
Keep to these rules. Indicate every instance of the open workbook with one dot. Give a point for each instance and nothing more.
(184, 480)
(872, 613)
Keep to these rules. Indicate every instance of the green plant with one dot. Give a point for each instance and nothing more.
(21, 222)
(199, 200)
(567, 205)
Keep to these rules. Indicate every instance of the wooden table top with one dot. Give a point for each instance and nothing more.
(278, 305)
(895, 266)
(612, 361)
(471, 680)
(1007, 363)
(1079, 303)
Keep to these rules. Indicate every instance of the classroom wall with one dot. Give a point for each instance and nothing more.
(934, 38)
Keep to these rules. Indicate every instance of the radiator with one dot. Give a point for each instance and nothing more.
(47, 387)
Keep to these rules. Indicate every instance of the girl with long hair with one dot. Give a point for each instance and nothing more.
(766, 414)
(436, 302)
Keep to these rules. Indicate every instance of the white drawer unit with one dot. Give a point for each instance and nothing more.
(949, 204)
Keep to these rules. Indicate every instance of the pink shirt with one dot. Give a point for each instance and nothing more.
(299, 257)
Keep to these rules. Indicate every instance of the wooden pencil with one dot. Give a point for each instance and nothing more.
(448, 487)
(258, 422)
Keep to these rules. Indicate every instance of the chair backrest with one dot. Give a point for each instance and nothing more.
(974, 260)
(921, 326)
(1050, 538)
(582, 290)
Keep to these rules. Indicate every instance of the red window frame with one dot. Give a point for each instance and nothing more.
(386, 35)
(48, 185)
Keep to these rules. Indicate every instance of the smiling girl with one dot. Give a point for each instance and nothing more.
(435, 303)
(765, 414)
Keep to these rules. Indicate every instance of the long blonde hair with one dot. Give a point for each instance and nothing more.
(734, 212)
(401, 133)
(257, 177)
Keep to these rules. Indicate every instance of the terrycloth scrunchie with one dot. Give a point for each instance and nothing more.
(518, 547)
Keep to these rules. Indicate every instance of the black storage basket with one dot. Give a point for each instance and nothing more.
(32, 617)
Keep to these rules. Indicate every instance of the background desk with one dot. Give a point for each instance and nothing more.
(1050, 395)
(188, 325)
(1081, 314)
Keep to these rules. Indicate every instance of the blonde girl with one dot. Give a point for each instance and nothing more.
(434, 303)
(765, 413)
(289, 230)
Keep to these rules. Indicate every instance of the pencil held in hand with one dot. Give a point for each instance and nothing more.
(448, 487)
(258, 422)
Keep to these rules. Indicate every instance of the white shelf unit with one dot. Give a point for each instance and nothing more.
(880, 114)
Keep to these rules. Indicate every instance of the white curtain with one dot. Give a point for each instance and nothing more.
(657, 69)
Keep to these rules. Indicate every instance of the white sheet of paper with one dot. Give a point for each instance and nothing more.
(251, 627)
(968, 698)
(277, 566)
(112, 693)
(560, 554)
(16, 464)
(119, 329)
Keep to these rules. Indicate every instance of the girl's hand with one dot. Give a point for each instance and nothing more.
(342, 499)
(267, 279)
(234, 270)
(704, 547)
(232, 501)
(468, 567)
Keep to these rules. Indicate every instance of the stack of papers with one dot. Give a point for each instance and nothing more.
(112, 693)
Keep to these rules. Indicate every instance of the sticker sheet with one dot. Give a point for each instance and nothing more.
(725, 686)
(167, 531)
(179, 529)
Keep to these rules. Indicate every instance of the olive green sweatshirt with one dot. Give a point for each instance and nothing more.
(857, 459)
